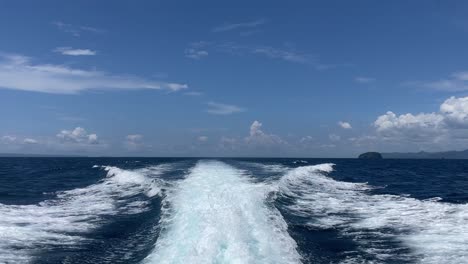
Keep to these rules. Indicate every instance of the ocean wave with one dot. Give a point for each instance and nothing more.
(218, 215)
(426, 231)
(64, 220)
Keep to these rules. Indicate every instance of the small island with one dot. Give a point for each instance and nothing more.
(370, 155)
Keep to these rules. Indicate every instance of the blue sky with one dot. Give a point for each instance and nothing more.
(218, 78)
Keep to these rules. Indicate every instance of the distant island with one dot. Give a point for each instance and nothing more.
(463, 154)
(370, 155)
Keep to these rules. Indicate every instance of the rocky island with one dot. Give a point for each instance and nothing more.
(370, 155)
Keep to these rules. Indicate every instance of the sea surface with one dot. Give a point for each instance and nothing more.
(168, 210)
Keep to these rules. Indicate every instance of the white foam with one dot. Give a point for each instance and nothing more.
(435, 232)
(217, 215)
(64, 220)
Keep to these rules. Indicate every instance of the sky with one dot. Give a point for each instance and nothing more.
(233, 78)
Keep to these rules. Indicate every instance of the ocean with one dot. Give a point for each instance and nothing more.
(187, 210)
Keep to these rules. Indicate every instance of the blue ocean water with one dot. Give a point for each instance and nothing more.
(176, 210)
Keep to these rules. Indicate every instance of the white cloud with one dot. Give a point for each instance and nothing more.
(77, 136)
(8, 139)
(258, 137)
(134, 137)
(455, 111)
(307, 139)
(197, 50)
(30, 141)
(344, 125)
(228, 143)
(282, 54)
(446, 126)
(334, 137)
(202, 138)
(363, 140)
(133, 142)
(18, 72)
(457, 81)
(195, 54)
(418, 127)
(12, 140)
(75, 30)
(234, 26)
(75, 52)
(223, 109)
(193, 93)
(362, 79)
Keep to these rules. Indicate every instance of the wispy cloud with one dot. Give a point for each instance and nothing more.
(233, 26)
(18, 72)
(75, 52)
(75, 30)
(282, 54)
(197, 50)
(134, 142)
(362, 79)
(200, 49)
(223, 109)
(195, 54)
(202, 138)
(457, 81)
(193, 93)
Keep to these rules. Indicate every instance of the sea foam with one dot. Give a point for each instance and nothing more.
(25, 230)
(217, 215)
(428, 231)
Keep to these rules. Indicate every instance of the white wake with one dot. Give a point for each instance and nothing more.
(27, 230)
(433, 231)
(217, 215)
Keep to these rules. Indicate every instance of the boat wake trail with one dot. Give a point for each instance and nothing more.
(28, 230)
(387, 228)
(218, 215)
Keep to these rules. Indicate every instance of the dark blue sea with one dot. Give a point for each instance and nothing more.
(168, 210)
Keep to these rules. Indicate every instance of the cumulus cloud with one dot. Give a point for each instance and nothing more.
(307, 139)
(344, 125)
(75, 52)
(12, 140)
(455, 111)
(30, 141)
(223, 109)
(18, 72)
(77, 136)
(258, 137)
(447, 125)
(419, 127)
